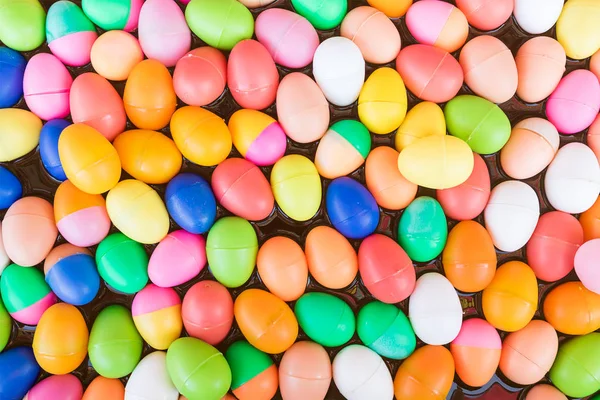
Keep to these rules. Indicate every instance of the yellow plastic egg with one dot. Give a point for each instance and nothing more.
(89, 160)
(424, 119)
(391, 8)
(138, 211)
(577, 28)
(19, 133)
(201, 136)
(382, 101)
(148, 156)
(297, 187)
(437, 162)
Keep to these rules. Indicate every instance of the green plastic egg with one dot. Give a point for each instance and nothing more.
(22, 24)
(386, 330)
(220, 23)
(22, 287)
(113, 14)
(423, 229)
(325, 318)
(5, 326)
(576, 369)
(115, 346)
(198, 370)
(122, 263)
(247, 363)
(65, 18)
(479, 122)
(322, 14)
(231, 249)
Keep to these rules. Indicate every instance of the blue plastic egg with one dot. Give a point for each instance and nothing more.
(191, 203)
(351, 208)
(18, 372)
(72, 275)
(49, 147)
(12, 69)
(11, 189)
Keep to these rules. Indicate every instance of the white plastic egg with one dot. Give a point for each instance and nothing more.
(150, 380)
(537, 16)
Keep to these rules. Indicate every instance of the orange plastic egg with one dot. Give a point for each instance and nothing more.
(391, 8)
(572, 309)
(510, 300)
(486, 15)
(332, 260)
(304, 372)
(282, 267)
(266, 321)
(428, 373)
(590, 221)
(103, 388)
(545, 392)
(149, 96)
(200, 76)
(469, 257)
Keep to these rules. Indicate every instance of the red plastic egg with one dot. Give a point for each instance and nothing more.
(200, 76)
(486, 15)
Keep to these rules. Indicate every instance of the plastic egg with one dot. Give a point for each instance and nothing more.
(544, 391)
(510, 300)
(467, 200)
(11, 189)
(577, 30)
(89, 160)
(157, 315)
(325, 318)
(540, 65)
(149, 96)
(339, 70)
(200, 76)
(185, 250)
(372, 31)
(163, 31)
(332, 261)
(231, 249)
(342, 149)
(438, 24)
(429, 72)
(322, 14)
(385, 269)
(104, 388)
(265, 321)
(150, 379)
(29, 231)
(6, 324)
(288, 37)
(428, 372)
(110, 15)
(46, 85)
(511, 215)
(296, 186)
(577, 94)
(220, 23)
(576, 367)
(22, 24)
(257, 136)
(201, 136)
(115, 346)
(18, 372)
(476, 352)
(590, 221)
(122, 263)
(486, 15)
(572, 309)
(351, 208)
(585, 264)
(385, 329)
(572, 181)
(424, 119)
(253, 373)
(469, 258)
(537, 16)
(490, 69)
(148, 156)
(390, 189)
(49, 136)
(25, 294)
(423, 229)
(21, 130)
(302, 109)
(207, 312)
(552, 247)
(382, 101)
(60, 340)
(304, 372)
(252, 76)
(283, 268)
(359, 372)
(528, 354)
(65, 387)
(70, 34)
(71, 274)
(12, 68)
(241, 188)
(115, 54)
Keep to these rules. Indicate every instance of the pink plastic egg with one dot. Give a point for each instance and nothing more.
(200, 76)
(156, 314)
(56, 387)
(486, 15)
(586, 265)
(178, 258)
(46, 86)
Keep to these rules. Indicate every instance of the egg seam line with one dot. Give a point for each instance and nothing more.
(446, 54)
(540, 136)
(474, 131)
(364, 23)
(199, 366)
(485, 61)
(223, 80)
(282, 38)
